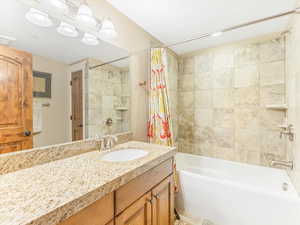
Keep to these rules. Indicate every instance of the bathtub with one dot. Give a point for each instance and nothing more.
(230, 193)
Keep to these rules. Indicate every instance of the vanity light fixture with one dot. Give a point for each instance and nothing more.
(107, 30)
(90, 39)
(67, 30)
(38, 18)
(61, 5)
(85, 16)
(216, 34)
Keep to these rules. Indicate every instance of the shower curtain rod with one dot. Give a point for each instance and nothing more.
(296, 10)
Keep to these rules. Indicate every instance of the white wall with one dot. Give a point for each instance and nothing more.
(293, 90)
(56, 117)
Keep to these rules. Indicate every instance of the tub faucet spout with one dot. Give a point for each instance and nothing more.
(287, 164)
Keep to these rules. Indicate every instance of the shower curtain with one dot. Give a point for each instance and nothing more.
(159, 124)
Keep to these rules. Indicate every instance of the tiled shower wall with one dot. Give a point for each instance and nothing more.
(222, 99)
(107, 96)
(173, 90)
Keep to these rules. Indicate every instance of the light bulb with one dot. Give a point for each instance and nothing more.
(90, 39)
(38, 18)
(60, 5)
(107, 30)
(85, 16)
(67, 30)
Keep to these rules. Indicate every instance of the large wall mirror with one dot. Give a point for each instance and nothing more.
(79, 89)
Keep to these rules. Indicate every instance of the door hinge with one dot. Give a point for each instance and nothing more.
(71, 117)
(71, 83)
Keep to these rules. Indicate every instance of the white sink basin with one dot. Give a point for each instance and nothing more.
(124, 155)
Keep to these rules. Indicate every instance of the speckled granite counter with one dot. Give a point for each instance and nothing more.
(49, 193)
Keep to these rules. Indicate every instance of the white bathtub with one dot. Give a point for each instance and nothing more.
(230, 193)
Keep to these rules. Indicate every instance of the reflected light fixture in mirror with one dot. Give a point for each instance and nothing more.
(61, 5)
(85, 16)
(68, 30)
(38, 18)
(90, 39)
(107, 30)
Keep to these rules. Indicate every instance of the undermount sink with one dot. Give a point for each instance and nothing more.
(124, 155)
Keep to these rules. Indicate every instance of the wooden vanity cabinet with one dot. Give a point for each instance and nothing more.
(163, 203)
(100, 212)
(139, 213)
(146, 200)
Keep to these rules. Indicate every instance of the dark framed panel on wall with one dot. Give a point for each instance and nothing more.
(41, 84)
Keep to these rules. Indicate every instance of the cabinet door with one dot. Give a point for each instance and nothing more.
(163, 202)
(139, 213)
(98, 213)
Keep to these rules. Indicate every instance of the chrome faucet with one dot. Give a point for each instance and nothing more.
(108, 142)
(288, 131)
(287, 164)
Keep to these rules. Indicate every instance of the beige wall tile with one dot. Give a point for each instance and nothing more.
(185, 99)
(223, 58)
(246, 76)
(188, 65)
(272, 94)
(272, 143)
(203, 81)
(247, 55)
(223, 78)
(247, 117)
(271, 119)
(203, 99)
(223, 117)
(272, 50)
(248, 96)
(228, 118)
(186, 83)
(224, 137)
(204, 117)
(248, 139)
(272, 73)
(204, 62)
(223, 98)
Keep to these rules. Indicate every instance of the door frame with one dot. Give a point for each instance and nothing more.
(79, 66)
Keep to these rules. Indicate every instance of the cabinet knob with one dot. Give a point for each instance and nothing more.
(27, 133)
(149, 200)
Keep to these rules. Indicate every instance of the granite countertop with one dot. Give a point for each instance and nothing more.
(49, 193)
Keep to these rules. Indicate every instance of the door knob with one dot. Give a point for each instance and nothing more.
(27, 133)
(80, 125)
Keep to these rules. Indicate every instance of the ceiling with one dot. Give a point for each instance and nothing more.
(172, 21)
(47, 42)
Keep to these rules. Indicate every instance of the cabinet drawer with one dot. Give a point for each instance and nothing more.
(100, 212)
(133, 190)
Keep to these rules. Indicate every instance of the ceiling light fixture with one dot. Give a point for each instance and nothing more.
(38, 18)
(216, 34)
(61, 5)
(90, 39)
(107, 30)
(67, 30)
(85, 16)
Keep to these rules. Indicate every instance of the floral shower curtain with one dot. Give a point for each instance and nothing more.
(159, 125)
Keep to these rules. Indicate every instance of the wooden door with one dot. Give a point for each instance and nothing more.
(139, 213)
(163, 203)
(77, 106)
(15, 100)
